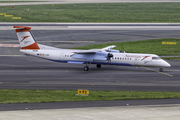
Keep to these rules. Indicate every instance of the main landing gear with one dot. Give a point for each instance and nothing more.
(160, 69)
(86, 68)
(98, 65)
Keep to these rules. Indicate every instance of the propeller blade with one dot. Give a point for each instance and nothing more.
(109, 57)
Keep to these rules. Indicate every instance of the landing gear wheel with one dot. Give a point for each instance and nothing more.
(160, 69)
(98, 65)
(86, 68)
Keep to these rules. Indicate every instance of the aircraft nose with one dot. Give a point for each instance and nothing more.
(166, 64)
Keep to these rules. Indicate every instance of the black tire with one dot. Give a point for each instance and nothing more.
(160, 69)
(86, 68)
(98, 65)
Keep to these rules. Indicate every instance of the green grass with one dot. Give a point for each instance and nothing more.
(34, 96)
(95, 12)
(18, 1)
(171, 58)
(154, 46)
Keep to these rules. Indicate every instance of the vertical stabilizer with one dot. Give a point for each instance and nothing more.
(25, 38)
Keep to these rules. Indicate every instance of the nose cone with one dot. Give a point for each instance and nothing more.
(166, 64)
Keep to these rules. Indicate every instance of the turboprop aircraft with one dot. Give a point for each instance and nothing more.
(104, 56)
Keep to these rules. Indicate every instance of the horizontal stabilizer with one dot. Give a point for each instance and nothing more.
(22, 28)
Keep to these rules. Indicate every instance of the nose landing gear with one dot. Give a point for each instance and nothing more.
(160, 69)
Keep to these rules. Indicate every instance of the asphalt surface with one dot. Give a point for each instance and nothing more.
(85, 104)
(35, 73)
(76, 38)
(19, 75)
(27, 72)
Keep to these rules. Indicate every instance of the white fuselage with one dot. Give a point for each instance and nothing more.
(127, 59)
(103, 56)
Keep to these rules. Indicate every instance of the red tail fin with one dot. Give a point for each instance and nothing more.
(25, 38)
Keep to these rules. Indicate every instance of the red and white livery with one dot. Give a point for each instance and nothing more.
(104, 56)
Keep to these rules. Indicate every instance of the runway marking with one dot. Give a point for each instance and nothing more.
(105, 71)
(67, 41)
(10, 45)
(158, 71)
(174, 70)
(13, 55)
(53, 41)
(75, 34)
(12, 65)
(33, 71)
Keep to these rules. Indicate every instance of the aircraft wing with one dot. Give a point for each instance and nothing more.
(106, 49)
(90, 56)
(88, 52)
(109, 47)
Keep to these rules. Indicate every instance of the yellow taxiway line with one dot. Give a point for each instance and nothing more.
(158, 71)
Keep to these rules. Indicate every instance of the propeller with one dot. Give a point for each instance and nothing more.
(109, 56)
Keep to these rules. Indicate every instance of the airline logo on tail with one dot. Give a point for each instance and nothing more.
(23, 38)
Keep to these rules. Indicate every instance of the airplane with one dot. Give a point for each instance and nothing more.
(104, 56)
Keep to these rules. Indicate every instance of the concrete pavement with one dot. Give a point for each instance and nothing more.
(153, 112)
(93, 26)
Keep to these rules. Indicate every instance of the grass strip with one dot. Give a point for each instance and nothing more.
(19, 1)
(171, 58)
(39, 96)
(95, 12)
(154, 46)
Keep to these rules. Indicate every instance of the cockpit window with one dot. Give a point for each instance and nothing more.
(156, 58)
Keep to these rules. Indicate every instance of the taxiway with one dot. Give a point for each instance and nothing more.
(33, 73)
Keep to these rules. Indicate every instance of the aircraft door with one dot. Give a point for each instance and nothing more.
(136, 61)
(61, 56)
